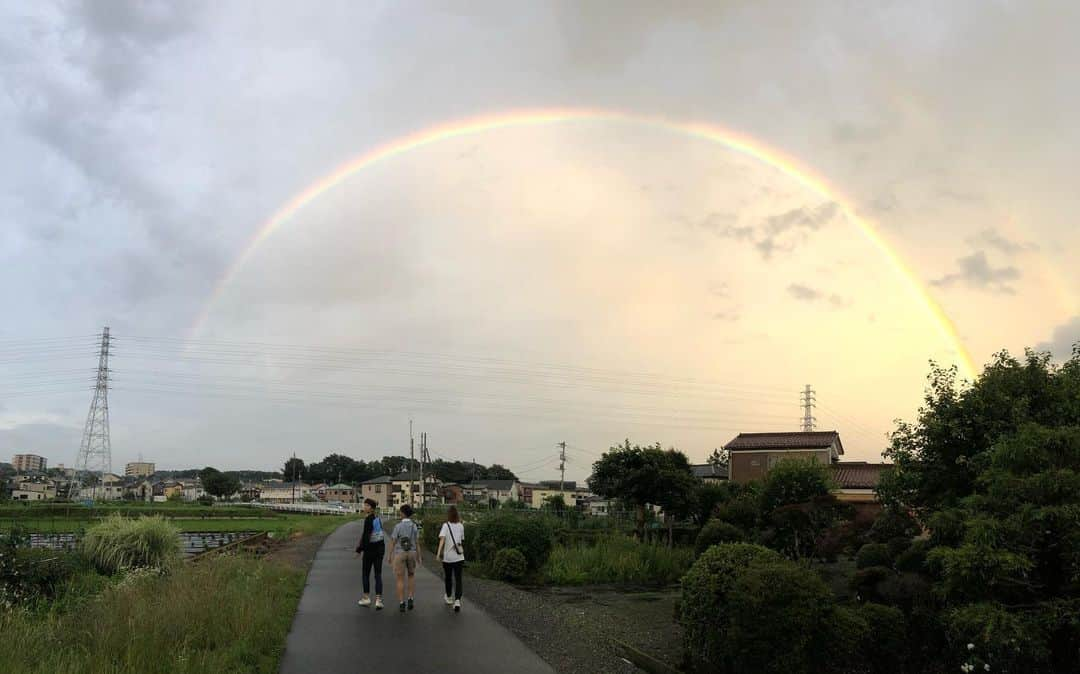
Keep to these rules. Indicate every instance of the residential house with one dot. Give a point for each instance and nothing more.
(525, 491)
(406, 489)
(710, 473)
(377, 489)
(284, 492)
(857, 483)
(485, 491)
(751, 455)
(452, 494)
(193, 489)
(250, 491)
(341, 493)
(598, 506)
(33, 489)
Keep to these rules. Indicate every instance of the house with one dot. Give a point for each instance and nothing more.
(406, 489)
(377, 489)
(857, 483)
(284, 492)
(485, 491)
(33, 489)
(452, 494)
(710, 473)
(192, 489)
(343, 493)
(598, 506)
(751, 455)
(525, 491)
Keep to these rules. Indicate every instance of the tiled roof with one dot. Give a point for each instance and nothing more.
(707, 470)
(382, 479)
(341, 486)
(795, 440)
(858, 474)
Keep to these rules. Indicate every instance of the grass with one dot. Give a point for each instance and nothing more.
(225, 614)
(125, 542)
(616, 560)
(281, 525)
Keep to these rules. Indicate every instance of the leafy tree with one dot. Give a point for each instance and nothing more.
(221, 485)
(497, 472)
(797, 506)
(294, 467)
(555, 503)
(718, 459)
(641, 476)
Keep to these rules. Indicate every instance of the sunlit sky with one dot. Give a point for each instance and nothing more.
(586, 280)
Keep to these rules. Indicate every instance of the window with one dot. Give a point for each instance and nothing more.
(378, 489)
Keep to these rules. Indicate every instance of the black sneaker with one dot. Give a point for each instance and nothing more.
(401, 607)
(410, 604)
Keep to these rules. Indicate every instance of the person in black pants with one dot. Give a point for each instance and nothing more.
(452, 554)
(372, 547)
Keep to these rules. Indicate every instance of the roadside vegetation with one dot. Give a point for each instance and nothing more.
(124, 602)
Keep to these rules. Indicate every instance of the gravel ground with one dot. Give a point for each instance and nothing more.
(570, 627)
(298, 551)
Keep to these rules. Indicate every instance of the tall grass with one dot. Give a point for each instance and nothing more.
(617, 559)
(119, 543)
(225, 614)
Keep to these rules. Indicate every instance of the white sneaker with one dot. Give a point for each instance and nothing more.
(449, 600)
(457, 606)
(378, 603)
(364, 601)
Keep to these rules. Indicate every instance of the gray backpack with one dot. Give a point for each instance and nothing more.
(404, 540)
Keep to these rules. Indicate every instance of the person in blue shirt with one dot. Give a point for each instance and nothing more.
(372, 547)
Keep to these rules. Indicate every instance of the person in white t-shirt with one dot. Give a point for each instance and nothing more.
(452, 554)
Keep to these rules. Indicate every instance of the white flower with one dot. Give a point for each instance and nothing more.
(987, 666)
(971, 647)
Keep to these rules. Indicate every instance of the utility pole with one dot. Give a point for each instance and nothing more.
(423, 452)
(95, 450)
(562, 467)
(412, 460)
(294, 477)
(808, 403)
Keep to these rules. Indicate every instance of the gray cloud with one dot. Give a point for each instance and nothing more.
(57, 443)
(1064, 341)
(776, 233)
(992, 238)
(803, 293)
(977, 272)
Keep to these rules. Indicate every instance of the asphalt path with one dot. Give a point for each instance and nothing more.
(331, 633)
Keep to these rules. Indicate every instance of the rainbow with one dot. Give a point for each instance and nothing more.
(733, 140)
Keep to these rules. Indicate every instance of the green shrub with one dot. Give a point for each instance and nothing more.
(532, 535)
(716, 531)
(430, 526)
(885, 649)
(120, 543)
(913, 559)
(873, 554)
(617, 559)
(509, 564)
(27, 575)
(1009, 642)
(741, 511)
(703, 608)
(867, 582)
(769, 599)
(946, 528)
(205, 500)
(893, 523)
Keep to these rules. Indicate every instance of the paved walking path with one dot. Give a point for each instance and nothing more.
(330, 633)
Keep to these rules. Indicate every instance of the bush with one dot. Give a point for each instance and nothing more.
(205, 500)
(120, 543)
(1010, 642)
(946, 528)
(769, 599)
(873, 554)
(617, 559)
(532, 535)
(509, 564)
(703, 609)
(27, 575)
(867, 582)
(430, 526)
(893, 523)
(885, 649)
(741, 511)
(715, 532)
(913, 559)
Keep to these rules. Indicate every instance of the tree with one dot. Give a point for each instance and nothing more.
(718, 459)
(993, 467)
(497, 472)
(555, 503)
(294, 469)
(221, 485)
(641, 476)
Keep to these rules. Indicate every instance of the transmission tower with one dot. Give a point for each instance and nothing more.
(809, 402)
(95, 451)
(562, 466)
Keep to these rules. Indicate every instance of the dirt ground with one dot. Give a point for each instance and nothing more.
(297, 551)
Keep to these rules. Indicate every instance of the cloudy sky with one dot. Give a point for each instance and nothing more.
(585, 280)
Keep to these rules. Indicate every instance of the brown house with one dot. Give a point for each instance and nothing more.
(377, 489)
(452, 494)
(751, 455)
(344, 493)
